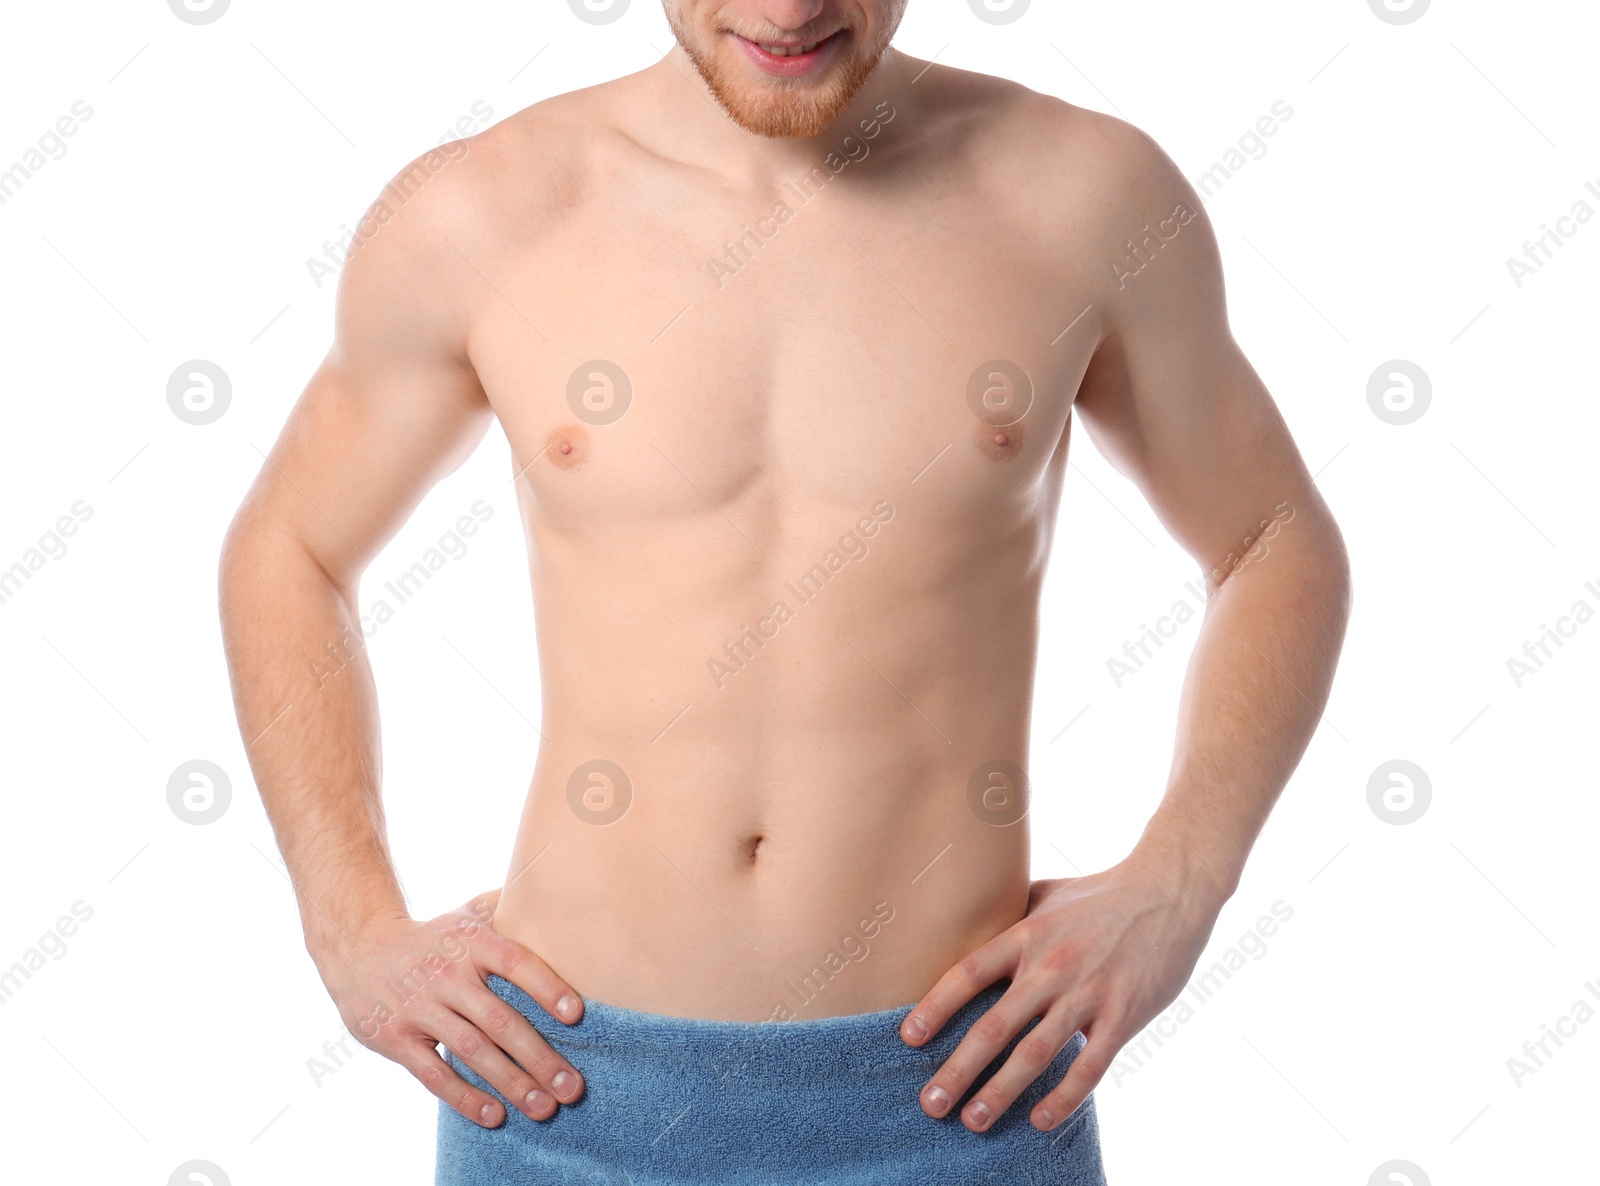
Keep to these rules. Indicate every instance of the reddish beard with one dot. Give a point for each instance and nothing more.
(798, 107)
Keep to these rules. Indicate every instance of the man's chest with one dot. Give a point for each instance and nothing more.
(700, 355)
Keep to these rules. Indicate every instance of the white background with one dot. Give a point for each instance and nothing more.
(1418, 959)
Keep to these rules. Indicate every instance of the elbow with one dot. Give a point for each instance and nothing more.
(1305, 559)
(258, 555)
(1334, 569)
(240, 556)
(240, 560)
(1326, 585)
(263, 554)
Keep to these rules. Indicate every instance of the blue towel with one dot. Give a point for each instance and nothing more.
(832, 1101)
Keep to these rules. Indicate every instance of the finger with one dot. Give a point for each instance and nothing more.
(512, 961)
(1027, 1061)
(510, 1032)
(995, 959)
(473, 1047)
(980, 1045)
(422, 1059)
(1089, 1066)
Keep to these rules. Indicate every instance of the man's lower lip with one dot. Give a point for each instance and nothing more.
(793, 64)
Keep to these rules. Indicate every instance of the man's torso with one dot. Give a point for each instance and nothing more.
(786, 600)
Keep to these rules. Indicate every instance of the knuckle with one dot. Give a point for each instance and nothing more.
(501, 1020)
(970, 967)
(432, 1075)
(384, 1042)
(1057, 959)
(1062, 1104)
(468, 1044)
(1089, 1066)
(522, 1082)
(515, 957)
(1036, 1051)
(546, 1064)
(519, 1085)
(991, 1027)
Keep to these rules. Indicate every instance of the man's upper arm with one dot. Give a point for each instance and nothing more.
(395, 405)
(1169, 398)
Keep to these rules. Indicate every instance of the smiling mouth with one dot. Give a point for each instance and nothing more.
(789, 51)
(793, 49)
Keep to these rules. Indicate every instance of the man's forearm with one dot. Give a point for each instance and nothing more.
(309, 718)
(1252, 697)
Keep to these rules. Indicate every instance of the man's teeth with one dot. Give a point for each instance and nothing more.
(790, 51)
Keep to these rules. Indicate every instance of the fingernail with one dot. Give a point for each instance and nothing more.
(938, 1099)
(916, 1027)
(1043, 1119)
(567, 1005)
(536, 1100)
(563, 1082)
(978, 1114)
(486, 1113)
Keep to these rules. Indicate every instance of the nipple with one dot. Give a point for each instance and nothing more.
(996, 443)
(567, 446)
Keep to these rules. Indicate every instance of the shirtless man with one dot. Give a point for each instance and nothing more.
(786, 348)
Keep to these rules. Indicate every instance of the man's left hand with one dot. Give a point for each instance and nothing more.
(1103, 954)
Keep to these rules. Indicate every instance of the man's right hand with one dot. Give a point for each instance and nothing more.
(405, 986)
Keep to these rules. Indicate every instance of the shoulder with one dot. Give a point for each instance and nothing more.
(1016, 126)
(1110, 176)
(529, 165)
(1070, 176)
(1118, 212)
(427, 237)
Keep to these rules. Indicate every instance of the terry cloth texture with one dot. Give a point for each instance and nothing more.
(833, 1101)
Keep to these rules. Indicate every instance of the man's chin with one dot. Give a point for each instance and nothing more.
(767, 107)
(778, 117)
